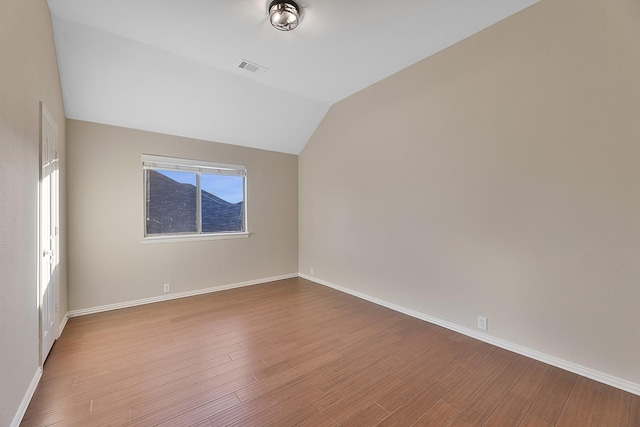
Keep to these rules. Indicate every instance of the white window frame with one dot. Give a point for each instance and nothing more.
(154, 162)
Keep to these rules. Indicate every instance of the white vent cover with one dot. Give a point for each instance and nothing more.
(253, 67)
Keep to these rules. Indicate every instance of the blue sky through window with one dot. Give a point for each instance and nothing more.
(229, 188)
(181, 177)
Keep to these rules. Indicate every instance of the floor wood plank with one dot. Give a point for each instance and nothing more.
(551, 400)
(582, 404)
(293, 353)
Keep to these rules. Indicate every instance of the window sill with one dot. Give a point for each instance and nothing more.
(192, 238)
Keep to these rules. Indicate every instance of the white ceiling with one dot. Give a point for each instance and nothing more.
(172, 66)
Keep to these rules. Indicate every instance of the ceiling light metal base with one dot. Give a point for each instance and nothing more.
(284, 15)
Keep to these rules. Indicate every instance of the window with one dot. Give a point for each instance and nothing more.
(189, 198)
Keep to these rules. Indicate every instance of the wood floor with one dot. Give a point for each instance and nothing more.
(294, 353)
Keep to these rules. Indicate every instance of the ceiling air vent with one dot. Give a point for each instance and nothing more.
(253, 67)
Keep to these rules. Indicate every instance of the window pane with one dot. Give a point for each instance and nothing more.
(222, 203)
(171, 202)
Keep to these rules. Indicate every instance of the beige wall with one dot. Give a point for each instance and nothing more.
(499, 177)
(28, 75)
(108, 264)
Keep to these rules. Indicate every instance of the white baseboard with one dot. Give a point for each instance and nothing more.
(516, 348)
(63, 324)
(17, 419)
(109, 307)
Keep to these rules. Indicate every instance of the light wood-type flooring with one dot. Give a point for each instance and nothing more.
(295, 353)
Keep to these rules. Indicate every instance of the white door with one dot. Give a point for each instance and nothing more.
(49, 230)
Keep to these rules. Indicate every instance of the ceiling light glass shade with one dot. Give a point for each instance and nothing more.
(284, 15)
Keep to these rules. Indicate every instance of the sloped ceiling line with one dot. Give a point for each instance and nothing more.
(172, 67)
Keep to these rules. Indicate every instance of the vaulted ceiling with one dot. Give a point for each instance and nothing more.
(172, 66)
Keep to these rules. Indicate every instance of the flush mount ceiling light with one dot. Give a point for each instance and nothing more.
(284, 15)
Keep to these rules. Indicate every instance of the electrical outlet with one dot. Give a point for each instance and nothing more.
(482, 323)
(167, 287)
(311, 271)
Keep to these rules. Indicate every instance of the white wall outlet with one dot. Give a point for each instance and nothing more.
(167, 287)
(482, 323)
(311, 271)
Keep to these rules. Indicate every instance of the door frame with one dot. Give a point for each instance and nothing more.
(46, 118)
